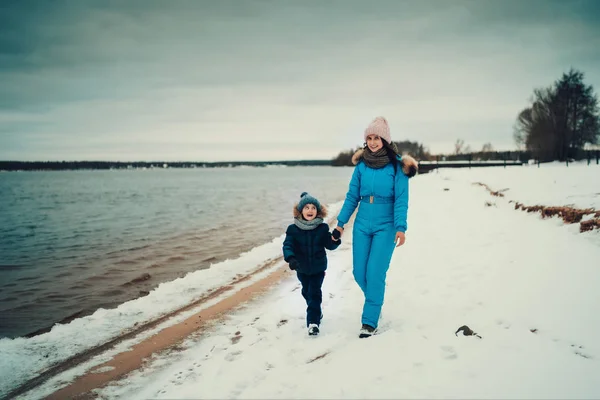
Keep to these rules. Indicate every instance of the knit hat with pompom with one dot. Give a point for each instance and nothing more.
(305, 199)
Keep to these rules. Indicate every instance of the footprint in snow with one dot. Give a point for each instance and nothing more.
(578, 350)
(282, 322)
(448, 353)
(232, 356)
(236, 338)
(503, 324)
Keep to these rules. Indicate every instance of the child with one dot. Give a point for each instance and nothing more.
(304, 250)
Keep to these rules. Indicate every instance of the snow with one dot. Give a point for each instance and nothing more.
(528, 286)
(552, 184)
(473, 162)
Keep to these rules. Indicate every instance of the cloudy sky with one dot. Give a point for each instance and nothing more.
(276, 80)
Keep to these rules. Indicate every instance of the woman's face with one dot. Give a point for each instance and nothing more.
(374, 143)
(309, 212)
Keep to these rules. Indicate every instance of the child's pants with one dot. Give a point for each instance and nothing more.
(372, 248)
(311, 291)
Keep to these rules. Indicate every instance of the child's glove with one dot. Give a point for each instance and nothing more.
(294, 264)
(336, 235)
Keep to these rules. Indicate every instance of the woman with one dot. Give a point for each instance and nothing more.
(381, 188)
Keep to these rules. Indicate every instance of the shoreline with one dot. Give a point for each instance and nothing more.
(167, 339)
(164, 340)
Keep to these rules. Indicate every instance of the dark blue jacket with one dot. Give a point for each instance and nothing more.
(309, 247)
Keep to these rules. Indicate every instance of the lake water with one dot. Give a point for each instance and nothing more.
(75, 241)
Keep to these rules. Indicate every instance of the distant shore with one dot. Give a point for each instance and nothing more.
(15, 166)
(109, 165)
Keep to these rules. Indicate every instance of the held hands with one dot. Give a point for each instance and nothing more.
(293, 263)
(400, 239)
(337, 233)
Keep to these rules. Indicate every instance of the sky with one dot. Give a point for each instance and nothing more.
(276, 80)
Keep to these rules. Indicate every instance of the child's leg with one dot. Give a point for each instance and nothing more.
(315, 298)
(305, 281)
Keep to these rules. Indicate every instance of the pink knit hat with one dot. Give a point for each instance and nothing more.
(379, 126)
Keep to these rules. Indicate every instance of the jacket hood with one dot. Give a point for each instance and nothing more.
(321, 214)
(410, 166)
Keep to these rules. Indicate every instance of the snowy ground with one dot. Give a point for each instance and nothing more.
(526, 285)
(502, 272)
(552, 184)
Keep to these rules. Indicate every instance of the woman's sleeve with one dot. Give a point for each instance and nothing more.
(400, 201)
(352, 198)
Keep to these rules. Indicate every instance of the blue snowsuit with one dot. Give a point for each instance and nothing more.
(383, 197)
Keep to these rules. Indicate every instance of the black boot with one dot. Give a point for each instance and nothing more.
(366, 331)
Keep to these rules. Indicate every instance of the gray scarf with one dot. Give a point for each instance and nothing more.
(376, 160)
(308, 225)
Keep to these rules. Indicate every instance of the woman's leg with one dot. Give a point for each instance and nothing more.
(378, 263)
(361, 248)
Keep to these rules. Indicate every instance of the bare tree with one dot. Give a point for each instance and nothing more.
(487, 147)
(458, 146)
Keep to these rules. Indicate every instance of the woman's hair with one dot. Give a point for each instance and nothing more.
(391, 153)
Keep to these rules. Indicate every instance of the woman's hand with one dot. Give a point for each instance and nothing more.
(400, 239)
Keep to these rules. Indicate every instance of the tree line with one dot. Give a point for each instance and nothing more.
(558, 124)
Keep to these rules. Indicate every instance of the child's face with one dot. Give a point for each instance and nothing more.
(309, 212)
(374, 143)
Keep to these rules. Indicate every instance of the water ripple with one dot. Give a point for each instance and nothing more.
(77, 241)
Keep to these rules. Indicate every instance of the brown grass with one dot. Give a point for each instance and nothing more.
(318, 357)
(498, 193)
(568, 214)
(589, 225)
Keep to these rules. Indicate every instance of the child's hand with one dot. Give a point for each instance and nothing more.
(335, 235)
(293, 263)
